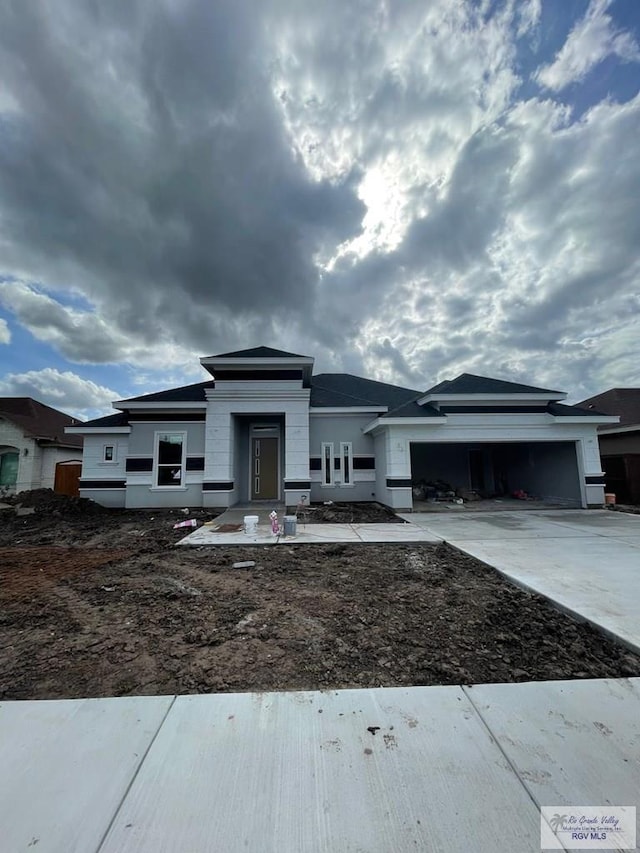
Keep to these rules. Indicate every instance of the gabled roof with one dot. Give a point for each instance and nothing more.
(344, 389)
(40, 421)
(258, 352)
(624, 402)
(470, 383)
(186, 393)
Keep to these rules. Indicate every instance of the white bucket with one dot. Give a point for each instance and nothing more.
(251, 524)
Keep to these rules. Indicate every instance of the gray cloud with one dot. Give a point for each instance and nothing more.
(154, 158)
(355, 180)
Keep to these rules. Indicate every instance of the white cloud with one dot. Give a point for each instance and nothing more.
(87, 337)
(590, 41)
(5, 332)
(65, 391)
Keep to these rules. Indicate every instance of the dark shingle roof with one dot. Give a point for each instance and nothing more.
(40, 421)
(184, 394)
(469, 383)
(344, 389)
(411, 409)
(559, 410)
(258, 352)
(121, 419)
(616, 401)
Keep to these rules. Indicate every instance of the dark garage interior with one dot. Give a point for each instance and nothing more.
(543, 470)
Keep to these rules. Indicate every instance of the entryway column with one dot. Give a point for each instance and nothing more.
(218, 487)
(297, 482)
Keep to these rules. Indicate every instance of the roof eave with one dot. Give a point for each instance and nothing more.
(94, 430)
(619, 429)
(585, 419)
(331, 410)
(125, 405)
(554, 397)
(423, 421)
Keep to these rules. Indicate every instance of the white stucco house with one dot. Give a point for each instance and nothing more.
(265, 428)
(32, 444)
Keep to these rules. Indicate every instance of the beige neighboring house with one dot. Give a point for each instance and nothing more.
(33, 443)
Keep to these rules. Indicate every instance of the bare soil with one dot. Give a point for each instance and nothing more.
(97, 602)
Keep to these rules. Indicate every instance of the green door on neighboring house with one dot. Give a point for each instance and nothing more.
(8, 469)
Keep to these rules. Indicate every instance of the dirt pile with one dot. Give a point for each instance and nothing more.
(350, 513)
(48, 501)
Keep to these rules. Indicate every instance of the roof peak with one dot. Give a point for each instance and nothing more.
(473, 383)
(258, 352)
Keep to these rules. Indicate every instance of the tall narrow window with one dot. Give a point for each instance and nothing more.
(169, 459)
(346, 462)
(109, 454)
(327, 463)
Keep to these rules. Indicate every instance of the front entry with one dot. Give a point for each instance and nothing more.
(264, 469)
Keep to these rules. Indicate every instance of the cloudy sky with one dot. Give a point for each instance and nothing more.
(404, 190)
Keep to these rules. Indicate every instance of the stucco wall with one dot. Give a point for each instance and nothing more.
(93, 465)
(337, 428)
(142, 437)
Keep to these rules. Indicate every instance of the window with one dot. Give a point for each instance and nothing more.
(8, 469)
(327, 463)
(170, 449)
(346, 462)
(109, 453)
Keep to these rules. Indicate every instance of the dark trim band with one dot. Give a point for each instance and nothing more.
(297, 484)
(398, 483)
(364, 463)
(139, 465)
(167, 417)
(595, 481)
(218, 486)
(253, 375)
(102, 484)
(195, 463)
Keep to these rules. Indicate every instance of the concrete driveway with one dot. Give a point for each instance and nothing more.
(587, 561)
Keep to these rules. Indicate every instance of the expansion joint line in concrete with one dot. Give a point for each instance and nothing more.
(496, 740)
(116, 811)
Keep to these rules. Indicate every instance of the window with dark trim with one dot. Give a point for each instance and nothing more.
(109, 453)
(346, 462)
(170, 452)
(327, 463)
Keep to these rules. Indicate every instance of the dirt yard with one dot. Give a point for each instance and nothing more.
(98, 603)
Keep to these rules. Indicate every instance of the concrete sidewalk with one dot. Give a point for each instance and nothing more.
(449, 769)
(586, 561)
(309, 534)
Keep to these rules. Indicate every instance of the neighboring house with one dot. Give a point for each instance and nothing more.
(620, 443)
(263, 428)
(32, 443)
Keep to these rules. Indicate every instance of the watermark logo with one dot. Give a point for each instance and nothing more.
(588, 827)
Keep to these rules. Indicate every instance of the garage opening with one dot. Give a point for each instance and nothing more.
(526, 471)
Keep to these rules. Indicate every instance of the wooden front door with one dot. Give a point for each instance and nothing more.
(264, 469)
